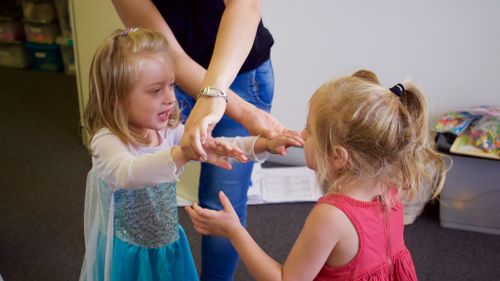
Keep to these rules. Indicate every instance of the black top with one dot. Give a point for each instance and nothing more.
(195, 24)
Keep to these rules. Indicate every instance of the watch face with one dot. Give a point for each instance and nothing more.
(212, 92)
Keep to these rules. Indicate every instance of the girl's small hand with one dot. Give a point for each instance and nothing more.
(218, 151)
(210, 222)
(280, 143)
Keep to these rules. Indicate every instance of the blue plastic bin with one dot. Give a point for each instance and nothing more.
(44, 57)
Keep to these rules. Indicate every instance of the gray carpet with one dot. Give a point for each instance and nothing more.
(42, 179)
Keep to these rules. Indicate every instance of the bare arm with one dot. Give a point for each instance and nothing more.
(308, 255)
(234, 41)
(235, 38)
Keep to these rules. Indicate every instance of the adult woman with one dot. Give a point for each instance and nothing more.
(228, 39)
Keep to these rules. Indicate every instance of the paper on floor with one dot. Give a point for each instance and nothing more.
(284, 184)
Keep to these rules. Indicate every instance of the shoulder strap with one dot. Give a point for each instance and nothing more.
(342, 202)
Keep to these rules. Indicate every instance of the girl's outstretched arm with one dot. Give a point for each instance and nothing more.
(308, 255)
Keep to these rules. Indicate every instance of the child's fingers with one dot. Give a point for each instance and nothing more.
(239, 156)
(194, 215)
(295, 140)
(290, 141)
(226, 203)
(221, 163)
(204, 214)
(231, 149)
(295, 136)
(203, 230)
(292, 133)
(299, 139)
(199, 210)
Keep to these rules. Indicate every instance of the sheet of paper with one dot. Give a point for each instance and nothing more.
(284, 184)
(269, 185)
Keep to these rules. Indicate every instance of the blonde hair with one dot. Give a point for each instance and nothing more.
(114, 71)
(386, 135)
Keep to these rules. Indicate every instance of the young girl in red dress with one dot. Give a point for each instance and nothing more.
(369, 146)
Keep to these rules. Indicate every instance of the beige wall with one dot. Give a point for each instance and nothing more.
(93, 20)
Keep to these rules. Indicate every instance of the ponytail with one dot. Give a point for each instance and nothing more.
(421, 166)
(384, 131)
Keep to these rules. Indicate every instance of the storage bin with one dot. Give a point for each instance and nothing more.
(13, 54)
(44, 33)
(44, 57)
(470, 199)
(68, 57)
(11, 29)
(63, 15)
(39, 10)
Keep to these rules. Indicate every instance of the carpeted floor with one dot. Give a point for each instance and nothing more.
(42, 179)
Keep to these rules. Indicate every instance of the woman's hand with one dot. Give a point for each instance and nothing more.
(202, 120)
(259, 122)
(209, 110)
(210, 222)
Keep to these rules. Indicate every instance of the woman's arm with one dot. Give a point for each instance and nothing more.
(309, 253)
(232, 47)
(235, 38)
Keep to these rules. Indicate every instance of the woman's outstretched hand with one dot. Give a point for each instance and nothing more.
(202, 120)
(208, 111)
(259, 122)
(210, 222)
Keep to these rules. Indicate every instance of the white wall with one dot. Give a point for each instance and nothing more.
(450, 48)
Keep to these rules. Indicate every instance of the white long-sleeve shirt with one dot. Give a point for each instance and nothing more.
(123, 165)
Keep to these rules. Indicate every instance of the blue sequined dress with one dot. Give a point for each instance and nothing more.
(134, 234)
(131, 222)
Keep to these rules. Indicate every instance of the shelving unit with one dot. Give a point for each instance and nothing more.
(36, 34)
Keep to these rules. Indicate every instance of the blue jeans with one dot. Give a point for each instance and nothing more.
(219, 259)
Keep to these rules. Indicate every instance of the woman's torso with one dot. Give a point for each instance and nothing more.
(195, 24)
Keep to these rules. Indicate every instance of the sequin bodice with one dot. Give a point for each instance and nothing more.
(147, 217)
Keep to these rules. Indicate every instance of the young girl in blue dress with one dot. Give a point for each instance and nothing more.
(132, 117)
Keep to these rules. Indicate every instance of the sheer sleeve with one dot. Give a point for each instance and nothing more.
(120, 165)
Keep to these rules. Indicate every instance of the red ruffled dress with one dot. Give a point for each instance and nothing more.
(382, 252)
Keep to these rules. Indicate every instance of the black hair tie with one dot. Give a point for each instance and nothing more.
(398, 89)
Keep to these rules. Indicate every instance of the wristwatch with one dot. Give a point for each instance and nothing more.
(212, 92)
